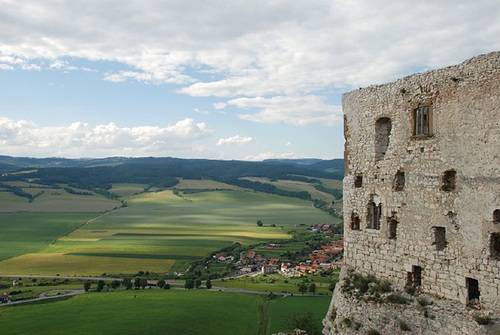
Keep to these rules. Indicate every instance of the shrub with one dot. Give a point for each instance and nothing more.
(404, 326)
(483, 320)
(424, 302)
(411, 290)
(396, 298)
(346, 322)
(372, 331)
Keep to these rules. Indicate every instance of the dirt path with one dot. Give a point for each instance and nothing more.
(43, 296)
(59, 277)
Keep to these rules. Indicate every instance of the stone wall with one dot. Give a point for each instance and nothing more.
(350, 315)
(423, 181)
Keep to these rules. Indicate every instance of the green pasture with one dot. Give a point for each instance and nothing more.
(294, 186)
(280, 310)
(275, 283)
(55, 200)
(138, 312)
(30, 232)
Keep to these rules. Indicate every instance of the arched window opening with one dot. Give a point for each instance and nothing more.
(373, 216)
(383, 128)
(399, 181)
(496, 216)
(355, 221)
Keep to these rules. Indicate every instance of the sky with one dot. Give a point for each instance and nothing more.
(237, 79)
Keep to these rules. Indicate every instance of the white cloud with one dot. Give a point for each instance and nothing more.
(81, 140)
(219, 105)
(62, 65)
(271, 155)
(255, 47)
(299, 111)
(199, 111)
(235, 140)
(6, 67)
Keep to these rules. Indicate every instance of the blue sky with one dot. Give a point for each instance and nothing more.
(213, 79)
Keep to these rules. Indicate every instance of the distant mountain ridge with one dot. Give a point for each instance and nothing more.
(99, 175)
(10, 163)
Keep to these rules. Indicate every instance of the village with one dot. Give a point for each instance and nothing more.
(322, 260)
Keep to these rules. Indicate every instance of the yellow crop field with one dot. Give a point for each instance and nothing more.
(65, 265)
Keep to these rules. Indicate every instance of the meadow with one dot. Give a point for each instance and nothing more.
(281, 309)
(161, 232)
(52, 200)
(277, 283)
(30, 232)
(296, 186)
(138, 312)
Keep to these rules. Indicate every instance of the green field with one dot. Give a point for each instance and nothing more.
(138, 312)
(30, 232)
(280, 310)
(55, 200)
(295, 186)
(275, 283)
(160, 232)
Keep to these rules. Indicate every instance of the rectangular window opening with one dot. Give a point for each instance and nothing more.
(449, 180)
(392, 229)
(358, 181)
(473, 293)
(399, 181)
(494, 245)
(355, 222)
(439, 237)
(414, 278)
(374, 216)
(421, 117)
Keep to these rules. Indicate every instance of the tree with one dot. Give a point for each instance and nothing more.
(304, 322)
(189, 284)
(302, 288)
(143, 283)
(137, 283)
(115, 284)
(312, 288)
(127, 282)
(160, 283)
(100, 285)
(167, 286)
(260, 223)
(209, 284)
(331, 287)
(197, 283)
(87, 285)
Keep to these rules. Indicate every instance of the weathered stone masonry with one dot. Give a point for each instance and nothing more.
(422, 184)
